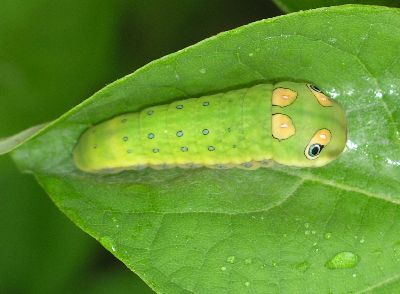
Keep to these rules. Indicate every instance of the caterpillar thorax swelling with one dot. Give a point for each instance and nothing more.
(289, 123)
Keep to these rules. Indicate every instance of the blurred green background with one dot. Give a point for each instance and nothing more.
(54, 54)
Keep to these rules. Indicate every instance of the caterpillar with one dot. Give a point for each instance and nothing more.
(289, 123)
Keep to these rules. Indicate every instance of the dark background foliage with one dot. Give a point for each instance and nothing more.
(53, 55)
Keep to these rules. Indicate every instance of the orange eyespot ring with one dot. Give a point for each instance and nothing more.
(321, 97)
(318, 142)
(283, 97)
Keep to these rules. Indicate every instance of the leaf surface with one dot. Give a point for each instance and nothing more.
(296, 5)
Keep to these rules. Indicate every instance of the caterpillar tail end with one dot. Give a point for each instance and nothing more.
(83, 156)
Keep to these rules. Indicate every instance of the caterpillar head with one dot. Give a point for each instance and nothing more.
(308, 128)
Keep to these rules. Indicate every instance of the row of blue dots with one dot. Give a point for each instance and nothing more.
(183, 149)
(181, 133)
(151, 112)
(179, 107)
(178, 134)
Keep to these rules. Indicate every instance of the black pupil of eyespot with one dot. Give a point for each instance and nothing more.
(315, 88)
(315, 150)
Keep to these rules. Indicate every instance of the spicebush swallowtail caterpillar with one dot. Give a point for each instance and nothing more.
(289, 123)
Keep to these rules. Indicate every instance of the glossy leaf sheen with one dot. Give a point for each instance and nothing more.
(296, 5)
(236, 231)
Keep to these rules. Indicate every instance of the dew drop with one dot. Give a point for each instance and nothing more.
(393, 162)
(378, 94)
(108, 243)
(332, 40)
(231, 259)
(396, 249)
(248, 261)
(327, 236)
(202, 70)
(302, 266)
(351, 145)
(247, 284)
(223, 268)
(344, 259)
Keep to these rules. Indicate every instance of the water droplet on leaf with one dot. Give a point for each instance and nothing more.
(396, 249)
(302, 266)
(108, 243)
(231, 259)
(344, 259)
(248, 261)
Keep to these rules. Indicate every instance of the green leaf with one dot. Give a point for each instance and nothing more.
(10, 143)
(269, 230)
(296, 5)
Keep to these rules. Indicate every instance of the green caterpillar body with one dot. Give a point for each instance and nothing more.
(289, 123)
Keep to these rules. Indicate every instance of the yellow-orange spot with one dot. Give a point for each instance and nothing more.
(321, 137)
(282, 126)
(321, 97)
(283, 97)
